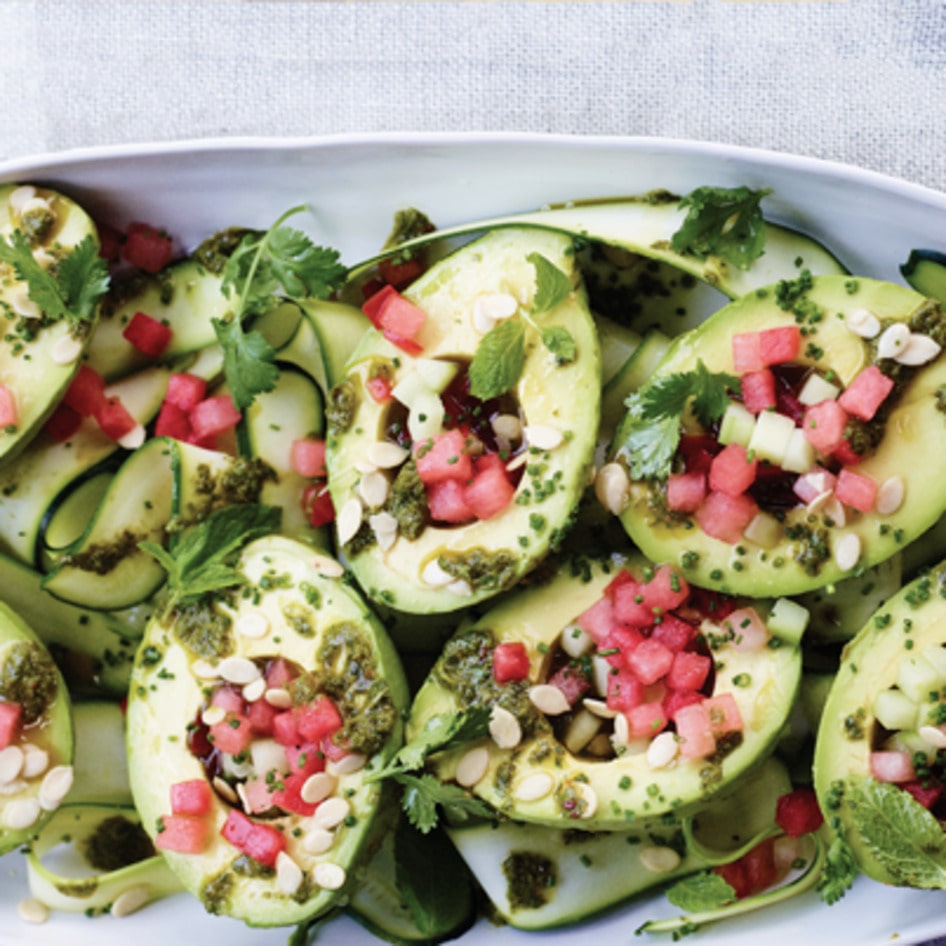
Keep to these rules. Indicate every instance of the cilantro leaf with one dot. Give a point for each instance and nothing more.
(697, 893)
(71, 290)
(561, 343)
(552, 286)
(838, 872)
(902, 835)
(248, 362)
(499, 359)
(198, 561)
(652, 431)
(725, 221)
(424, 794)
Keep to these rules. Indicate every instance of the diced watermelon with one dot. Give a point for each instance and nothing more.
(279, 673)
(443, 457)
(232, 735)
(285, 731)
(673, 632)
(646, 720)
(697, 739)
(318, 719)
(629, 604)
(747, 352)
(86, 391)
(619, 643)
(748, 631)
(147, 334)
(810, 485)
(689, 670)
(110, 242)
(288, 795)
(573, 683)
(114, 419)
(229, 699)
(892, 765)
(777, 346)
(375, 303)
(510, 662)
(598, 620)
(758, 390)
(262, 842)
(675, 700)
(184, 834)
(401, 318)
(258, 794)
(63, 423)
(307, 456)
(758, 868)
(490, 492)
(723, 714)
(927, 793)
(446, 502)
(697, 452)
(846, 455)
(379, 388)
(212, 416)
(317, 505)
(191, 797)
(797, 812)
(856, 490)
(732, 472)
(400, 272)
(650, 660)
(726, 517)
(666, 590)
(306, 758)
(147, 248)
(261, 715)
(685, 491)
(625, 691)
(824, 425)
(864, 395)
(172, 421)
(185, 390)
(10, 715)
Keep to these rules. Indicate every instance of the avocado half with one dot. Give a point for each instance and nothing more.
(295, 607)
(42, 743)
(489, 555)
(898, 658)
(37, 360)
(804, 555)
(581, 789)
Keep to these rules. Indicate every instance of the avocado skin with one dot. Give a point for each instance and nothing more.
(910, 621)
(916, 417)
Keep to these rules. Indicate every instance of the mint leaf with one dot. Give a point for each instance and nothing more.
(904, 838)
(198, 563)
(552, 286)
(725, 221)
(499, 359)
(561, 343)
(248, 362)
(68, 291)
(700, 892)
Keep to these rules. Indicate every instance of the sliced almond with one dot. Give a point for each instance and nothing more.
(66, 350)
(331, 813)
(349, 520)
(543, 436)
(316, 788)
(663, 750)
(317, 841)
(21, 813)
(347, 764)
(893, 340)
(11, 764)
(56, 784)
(238, 670)
(613, 488)
(504, 728)
(472, 766)
(130, 901)
(919, 350)
(890, 496)
(329, 876)
(549, 699)
(386, 455)
(32, 911)
(288, 874)
(659, 859)
(373, 489)
(253, 625)
(534, 787)
(847, 551)
(864, 323)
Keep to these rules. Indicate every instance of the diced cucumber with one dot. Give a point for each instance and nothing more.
(737, 425)
(788, 620)
(894, 710)
(816, 389)
(917, 677)
(770, 437)
(799, 453)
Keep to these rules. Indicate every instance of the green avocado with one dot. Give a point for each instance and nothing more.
(37, 766)
(295, 610)
(570, 767)
(799, 548)
(889, 695)
(430, 566)
(39, 355)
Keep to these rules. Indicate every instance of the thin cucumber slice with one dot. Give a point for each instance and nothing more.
(38, 361)
(101, 763)
(925, 271)
(618, 343)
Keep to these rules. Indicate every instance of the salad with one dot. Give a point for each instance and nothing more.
(254, 485)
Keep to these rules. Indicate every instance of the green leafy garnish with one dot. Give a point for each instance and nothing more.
(499, 359)
(71, 289)
(501, 354)
(280, 263)
(699, 892)
(726, 221)
(424, 793)
(656, 413)
(199, 561)
(902, 835)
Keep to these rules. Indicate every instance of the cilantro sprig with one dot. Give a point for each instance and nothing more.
(199, 561)
(68, 291)
(423, 794)
(652, 432)
(500, 356)
(726, 221)
(265, 267)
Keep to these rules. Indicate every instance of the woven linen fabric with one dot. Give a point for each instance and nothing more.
(859, 81)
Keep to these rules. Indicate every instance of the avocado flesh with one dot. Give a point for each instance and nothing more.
(627, 788)
(51, 730)
(915, 619)
(35, 368)
(166, 697)
(916, 426)
(523, 532)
